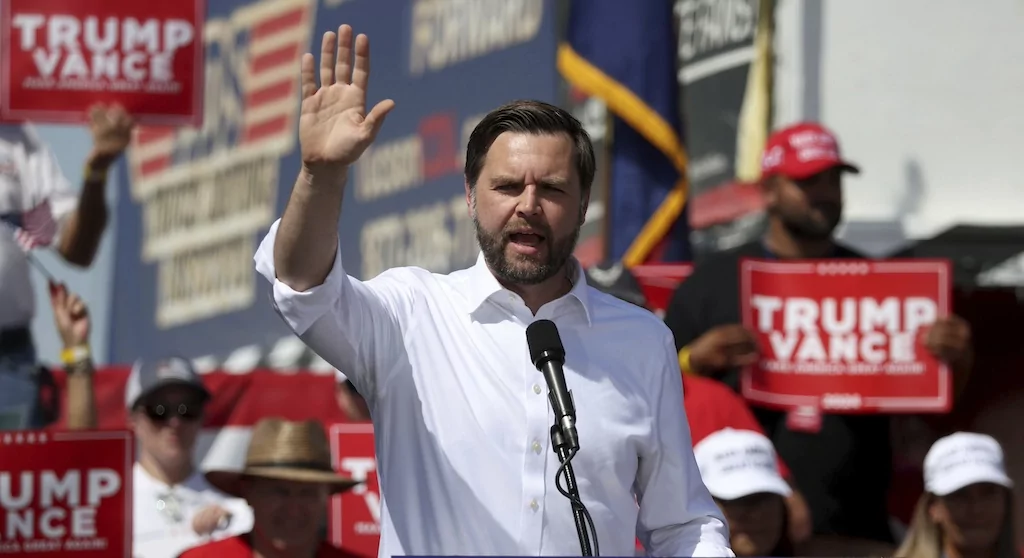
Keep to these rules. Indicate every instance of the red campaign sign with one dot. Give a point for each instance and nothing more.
(61, 56)
(66, 494)
(659, 282)
(845, 336)
(354, 516)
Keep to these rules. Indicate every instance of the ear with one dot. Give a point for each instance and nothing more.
(469, 197)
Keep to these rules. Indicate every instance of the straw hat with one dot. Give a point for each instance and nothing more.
(285, 450)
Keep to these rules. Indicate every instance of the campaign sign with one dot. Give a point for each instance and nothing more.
(354, 516)
(66, 494)
(61, 56)
(659, 282)
(846, 336)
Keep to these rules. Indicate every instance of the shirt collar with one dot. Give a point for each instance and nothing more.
(482, 285)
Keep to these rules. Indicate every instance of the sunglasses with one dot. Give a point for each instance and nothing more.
(162, 412)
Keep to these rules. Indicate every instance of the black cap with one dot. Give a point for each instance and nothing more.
(616, 280)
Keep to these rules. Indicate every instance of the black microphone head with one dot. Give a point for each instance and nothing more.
(544, 342)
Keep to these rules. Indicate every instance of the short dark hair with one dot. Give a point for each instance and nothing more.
(530, 117)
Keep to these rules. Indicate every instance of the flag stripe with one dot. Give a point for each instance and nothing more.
(284, 55)
(289, 19)
(266, 128)
(275, 92)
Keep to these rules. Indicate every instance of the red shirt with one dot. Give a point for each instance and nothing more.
(712, 406)
(238, 547)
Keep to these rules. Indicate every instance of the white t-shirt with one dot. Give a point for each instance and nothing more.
(162, 515)
(29, 174)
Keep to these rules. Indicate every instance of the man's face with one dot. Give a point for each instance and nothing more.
(287, 514)
(809, 208)
(527, 206)
(167, 423)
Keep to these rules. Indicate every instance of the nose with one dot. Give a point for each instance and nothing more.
(529, 201)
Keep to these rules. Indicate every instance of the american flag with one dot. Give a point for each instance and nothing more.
(278, 34)
(33, 228)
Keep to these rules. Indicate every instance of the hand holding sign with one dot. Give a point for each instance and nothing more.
(722, 348)
(334, 128)
(949, 339)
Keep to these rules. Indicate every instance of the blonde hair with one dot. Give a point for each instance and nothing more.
(924, 536)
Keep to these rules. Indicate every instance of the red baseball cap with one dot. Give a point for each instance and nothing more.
(802, 150)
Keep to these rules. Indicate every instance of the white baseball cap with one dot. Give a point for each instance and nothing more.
(962, 459)
(738, 463)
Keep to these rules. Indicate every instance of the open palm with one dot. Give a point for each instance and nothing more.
(334, 127)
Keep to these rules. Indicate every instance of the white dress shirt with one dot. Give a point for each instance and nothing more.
(162, 515)
(461, 417)
(29, 174)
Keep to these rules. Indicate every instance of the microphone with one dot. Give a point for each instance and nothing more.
(548, 355)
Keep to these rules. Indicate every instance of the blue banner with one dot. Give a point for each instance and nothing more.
(199, 201)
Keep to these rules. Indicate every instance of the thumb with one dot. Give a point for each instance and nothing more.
(375, 119)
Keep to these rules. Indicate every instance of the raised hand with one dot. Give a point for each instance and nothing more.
(334, 127)
(111, 129)
(71, 316)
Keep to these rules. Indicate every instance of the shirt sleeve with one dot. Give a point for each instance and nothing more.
(677, 515)
(356, 326)
(44, 180)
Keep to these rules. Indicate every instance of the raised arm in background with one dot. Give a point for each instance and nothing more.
(71, 316)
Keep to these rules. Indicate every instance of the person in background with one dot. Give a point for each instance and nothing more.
(287, 479)
(710, 406)
(967, 508)
(841, 463)
(38, 208)
(349, 401)
(739, 467)
(174, 506)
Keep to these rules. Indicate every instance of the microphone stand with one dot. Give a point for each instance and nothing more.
(564, 458)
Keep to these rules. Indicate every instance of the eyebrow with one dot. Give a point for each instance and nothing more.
(504, 180)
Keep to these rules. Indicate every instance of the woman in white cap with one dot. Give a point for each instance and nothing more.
(740, 469)
(966, 510)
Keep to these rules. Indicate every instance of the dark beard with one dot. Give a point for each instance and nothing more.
(493, 247)
(804, 227)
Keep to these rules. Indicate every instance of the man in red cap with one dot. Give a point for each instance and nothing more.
(841, 463)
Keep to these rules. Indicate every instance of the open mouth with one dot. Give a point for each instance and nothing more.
(526, 238)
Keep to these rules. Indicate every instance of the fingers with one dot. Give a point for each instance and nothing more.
(327, 47)
(375, 119)
(343, 67)
(57, 295)
(120, 118)
(307, 75)
(361, 76)
(76, 307)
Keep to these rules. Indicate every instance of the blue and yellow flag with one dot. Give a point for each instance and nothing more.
(624, 53)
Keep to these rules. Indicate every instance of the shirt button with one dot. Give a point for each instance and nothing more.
(536, 389)
(536, 447)
(534, 505)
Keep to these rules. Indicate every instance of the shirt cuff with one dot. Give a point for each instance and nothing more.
(300, 310)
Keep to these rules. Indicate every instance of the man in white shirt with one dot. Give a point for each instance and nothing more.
(35, 196)
(459, 411)
(174, 507)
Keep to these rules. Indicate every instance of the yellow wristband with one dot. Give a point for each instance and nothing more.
(74, 355)
(684, 361)
(93, 175)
